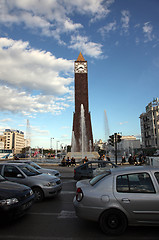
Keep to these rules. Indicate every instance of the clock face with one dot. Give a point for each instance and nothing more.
(80, 67)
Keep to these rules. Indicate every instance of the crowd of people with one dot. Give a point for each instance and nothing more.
(132, 160)
(68, 162)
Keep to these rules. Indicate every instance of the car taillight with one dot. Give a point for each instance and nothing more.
(79, 194)
(74, 171)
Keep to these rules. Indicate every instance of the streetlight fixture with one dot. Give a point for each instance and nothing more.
(51, 143)
(57, 146)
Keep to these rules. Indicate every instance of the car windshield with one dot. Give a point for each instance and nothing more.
(97, 178)
(29, 170)
(36, 166)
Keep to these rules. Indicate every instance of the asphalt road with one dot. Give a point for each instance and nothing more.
(55, 219)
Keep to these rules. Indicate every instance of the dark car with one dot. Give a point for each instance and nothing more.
(15, 199)
(92, 168)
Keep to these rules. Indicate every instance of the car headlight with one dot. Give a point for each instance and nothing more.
(31, 192)
(8, 202)
(50, 184)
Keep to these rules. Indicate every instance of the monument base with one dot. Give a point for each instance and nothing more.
(80, 155)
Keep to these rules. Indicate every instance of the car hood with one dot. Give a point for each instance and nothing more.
(46, 170)
(11, 189)
(44, 177)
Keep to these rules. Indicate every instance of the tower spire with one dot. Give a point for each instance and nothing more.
(80, 58)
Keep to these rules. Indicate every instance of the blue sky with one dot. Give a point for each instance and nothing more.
(41, 39)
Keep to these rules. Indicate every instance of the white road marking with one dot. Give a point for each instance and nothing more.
(67, 214)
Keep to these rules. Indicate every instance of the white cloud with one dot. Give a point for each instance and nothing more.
(147, 30)
(107, 28)
(51, 18)
(125, 20)
(21, 102)
(6, 120)
(123, 123)
(86, 47)
(34, 69)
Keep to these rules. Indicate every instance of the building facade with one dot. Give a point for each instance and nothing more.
(149, 123)
(14, 140)
(2, 142)
(82, 137)
(128, 144)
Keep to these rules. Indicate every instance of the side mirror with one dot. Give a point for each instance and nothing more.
(20, 176)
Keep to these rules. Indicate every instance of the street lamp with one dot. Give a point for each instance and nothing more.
(57, 146)
(51, 143)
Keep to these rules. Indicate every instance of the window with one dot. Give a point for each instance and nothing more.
(11, 171)
(135, 183)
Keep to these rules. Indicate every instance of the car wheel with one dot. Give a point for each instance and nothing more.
(39, 195)
(113, 222)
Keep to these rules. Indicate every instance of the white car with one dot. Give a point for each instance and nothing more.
(120, 197)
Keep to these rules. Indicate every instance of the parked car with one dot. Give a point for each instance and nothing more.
(120, 197)
(92, 168)
(40, 169)
(43, 185)
(15, 199)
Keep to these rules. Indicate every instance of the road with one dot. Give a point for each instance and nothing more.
(55, 219)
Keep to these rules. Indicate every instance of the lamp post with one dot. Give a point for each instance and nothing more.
(57, 146)
(51, 143)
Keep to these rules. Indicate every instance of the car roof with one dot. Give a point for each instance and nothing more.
(96, 161)
(133, 169)
(12, 163)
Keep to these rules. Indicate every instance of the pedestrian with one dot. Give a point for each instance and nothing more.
(63, 162)
(73, 161)
(130, 160)
(108, 158)
(123, 160)
(68, 162)
(85, 159)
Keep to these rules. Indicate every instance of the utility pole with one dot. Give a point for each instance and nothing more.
(114, 140)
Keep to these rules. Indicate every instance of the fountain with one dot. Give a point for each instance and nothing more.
(85, 145)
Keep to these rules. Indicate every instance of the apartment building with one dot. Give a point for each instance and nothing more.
(14, 140)
(128, 144)
(2, 141)
(149, 123)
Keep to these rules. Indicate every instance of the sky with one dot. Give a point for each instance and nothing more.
(39, 42)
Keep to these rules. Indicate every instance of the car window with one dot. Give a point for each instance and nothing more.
(11, 171)
(36, 166)
(1, 167)
(157, 176)
(135, 183)
(29, 170)
(99, 177)
(84, 167)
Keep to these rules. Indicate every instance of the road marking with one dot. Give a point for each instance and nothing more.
(67, 214)
(68, 192)
(63, 214)
(44, 214)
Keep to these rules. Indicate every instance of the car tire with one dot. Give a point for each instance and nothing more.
(113, 222)
(39, 195)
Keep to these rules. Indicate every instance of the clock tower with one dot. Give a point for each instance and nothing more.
(82, 129)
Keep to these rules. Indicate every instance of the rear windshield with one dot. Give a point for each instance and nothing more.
(97, 178)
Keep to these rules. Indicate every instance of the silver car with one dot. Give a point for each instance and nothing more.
(39, 168)
(120, 197)
(43, 185)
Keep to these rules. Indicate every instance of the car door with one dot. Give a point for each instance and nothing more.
(137, 195)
